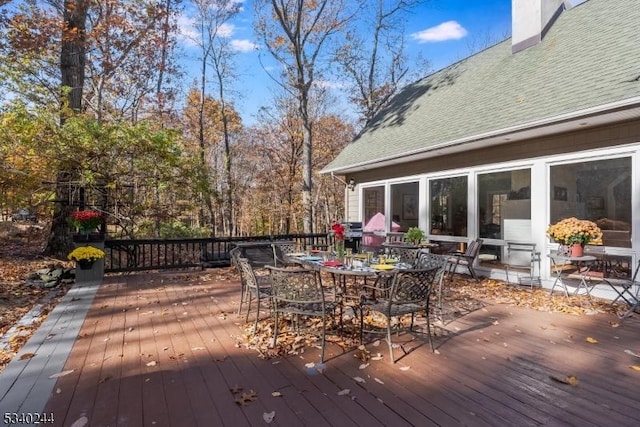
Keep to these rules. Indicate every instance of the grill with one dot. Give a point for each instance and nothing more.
(352, 235)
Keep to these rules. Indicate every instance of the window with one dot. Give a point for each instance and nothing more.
(449, 206)
(404, 206)
(504, 205)
(373, 202)
(599, 191)
(504, 210)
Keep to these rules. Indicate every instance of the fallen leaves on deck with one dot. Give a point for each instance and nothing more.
(61, 374)
(246, 398)
(268, 416)
(569, 379)
(461, 295)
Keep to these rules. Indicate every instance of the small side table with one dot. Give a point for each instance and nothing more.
(584, 264)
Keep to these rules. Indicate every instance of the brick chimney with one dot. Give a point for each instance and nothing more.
(530, 20)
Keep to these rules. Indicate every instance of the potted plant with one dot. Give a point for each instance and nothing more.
(85, 256)
(575, 233)
(85, 222)
(414, 235)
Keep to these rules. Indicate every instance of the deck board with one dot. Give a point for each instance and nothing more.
(493, 367)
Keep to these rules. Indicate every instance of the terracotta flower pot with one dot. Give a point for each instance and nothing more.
(577, 250)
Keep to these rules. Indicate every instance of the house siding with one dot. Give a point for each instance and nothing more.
(584, 140)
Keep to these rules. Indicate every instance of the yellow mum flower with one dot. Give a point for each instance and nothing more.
(89, 253)
(573, 230)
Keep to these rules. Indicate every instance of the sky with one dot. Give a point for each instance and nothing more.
(440, 31)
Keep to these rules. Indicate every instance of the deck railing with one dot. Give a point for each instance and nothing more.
(161, 254)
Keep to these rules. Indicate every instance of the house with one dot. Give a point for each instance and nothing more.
(542, 126)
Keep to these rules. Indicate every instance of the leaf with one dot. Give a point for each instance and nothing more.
(61, 374)
(378, 381)
(276, 394)
(344, 392)
(591, 340)
(105, 379)
(635, 367)
(268, 416)
(569, 379)
(152, 363)
(80, 422)
(632, 353)
(246, 398)
(27, 356)
(405, 368)
(359, 379)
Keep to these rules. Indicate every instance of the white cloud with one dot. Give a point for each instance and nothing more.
(187, 31)
(226, 30)
(449, 30)
(243, 45)
(329, 84)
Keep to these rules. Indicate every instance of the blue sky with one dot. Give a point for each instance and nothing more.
(441, 31)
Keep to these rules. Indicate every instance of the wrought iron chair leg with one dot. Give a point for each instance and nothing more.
(243, 296)
(255, 325)
(246, 317)
(429, 328)
(324, 335)
(275, 329)
(389, 342)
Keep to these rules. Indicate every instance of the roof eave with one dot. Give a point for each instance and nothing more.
(594, 116)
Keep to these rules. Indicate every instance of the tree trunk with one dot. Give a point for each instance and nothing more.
(73, 52)
(307, 169)
(72, 63)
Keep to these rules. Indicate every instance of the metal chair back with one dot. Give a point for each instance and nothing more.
(253, 288)
(299, 292)
(523, 255)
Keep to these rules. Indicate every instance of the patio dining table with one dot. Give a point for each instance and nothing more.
(352, 285)
(341, 273)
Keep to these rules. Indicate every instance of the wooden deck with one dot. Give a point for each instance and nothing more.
(167, 350)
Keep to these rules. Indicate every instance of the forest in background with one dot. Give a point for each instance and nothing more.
(94, 113)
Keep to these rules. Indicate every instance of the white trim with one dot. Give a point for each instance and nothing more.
(540, 181)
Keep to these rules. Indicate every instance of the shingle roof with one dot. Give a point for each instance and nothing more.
(590, 57)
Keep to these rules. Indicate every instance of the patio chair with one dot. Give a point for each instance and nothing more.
(280, 252)
(234, 255)
(625, 291)
(429, 261)
(407, 254)
(523, 256)
(256, 288)
(298, 292)
(466, 258)
(410, 293)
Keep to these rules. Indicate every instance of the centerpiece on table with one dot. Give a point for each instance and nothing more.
(85, 256)
(575, 233)
(338, 236)
(85, 222)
